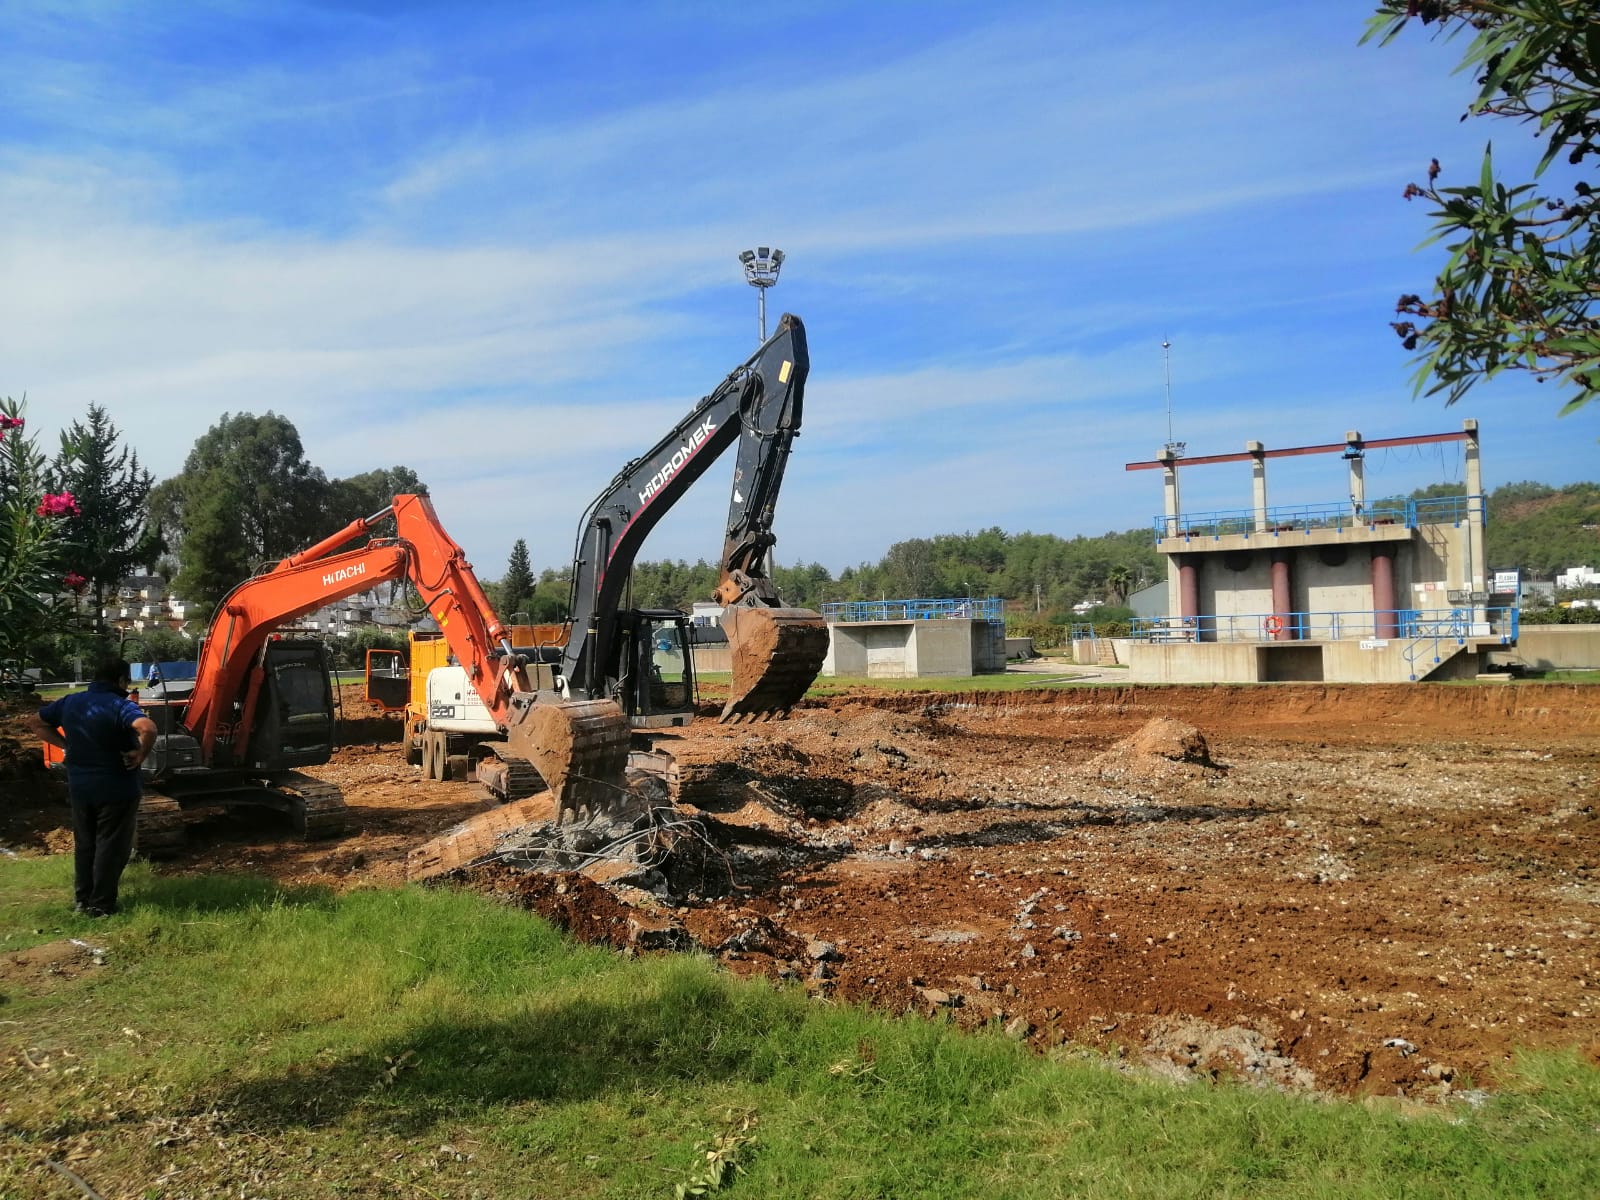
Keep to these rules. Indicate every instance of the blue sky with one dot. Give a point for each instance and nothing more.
(497, 243)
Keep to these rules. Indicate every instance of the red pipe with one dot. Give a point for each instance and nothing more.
(1189, 586)
(1282, 596)
(1385, 621)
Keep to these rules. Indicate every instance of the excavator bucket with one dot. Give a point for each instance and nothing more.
(777, 653)
(579, 747)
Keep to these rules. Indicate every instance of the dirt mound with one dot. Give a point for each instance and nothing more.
(33, 801)
(1163, 747)
(583, 908)
(41, 967)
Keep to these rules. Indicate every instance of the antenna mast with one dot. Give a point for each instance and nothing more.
(1176, 448)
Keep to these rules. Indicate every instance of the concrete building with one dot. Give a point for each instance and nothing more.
(1341, 591)
(906, 639)
(1576, 577)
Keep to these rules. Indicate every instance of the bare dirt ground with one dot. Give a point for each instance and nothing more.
(1365, 890)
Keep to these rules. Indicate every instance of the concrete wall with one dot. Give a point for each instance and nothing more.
(888, 650)
(943, 648)
(989, 644)
(1229, 593)
(847, 651)
(713, 658)
(909, 649)
(1151, 601)
(1019, 648)
(1424, 577)
(1333, 586)
(1202, 662)
(1380, 662)
(1332, 662)
(1553, 648)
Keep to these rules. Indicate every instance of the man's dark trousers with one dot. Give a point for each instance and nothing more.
(102, 844)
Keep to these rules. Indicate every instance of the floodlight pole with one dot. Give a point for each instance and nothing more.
(761, 268)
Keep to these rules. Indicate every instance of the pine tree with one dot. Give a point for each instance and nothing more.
(516, 589)
(109, 536)
(33, 540)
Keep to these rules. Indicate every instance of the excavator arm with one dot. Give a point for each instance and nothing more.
(776, 652)
(573, 745)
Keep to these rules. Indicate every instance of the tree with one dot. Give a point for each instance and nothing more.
(1119, 582)
(516, 589)
(367, 493)
(552, 597)
(109, 533)
(1520, 287)
(246, 497)
(908, 570)
(33, 540)
(159, 645)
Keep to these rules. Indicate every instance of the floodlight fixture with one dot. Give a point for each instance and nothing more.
(761, 268)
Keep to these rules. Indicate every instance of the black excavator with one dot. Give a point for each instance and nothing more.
(776, 651)
(642, 660)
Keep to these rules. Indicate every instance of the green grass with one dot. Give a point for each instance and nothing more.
(245, 1039)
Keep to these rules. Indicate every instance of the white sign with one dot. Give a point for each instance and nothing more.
(1506, 582)
(1374, 643)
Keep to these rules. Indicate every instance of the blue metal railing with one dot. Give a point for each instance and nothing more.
(1081, 633)
(991, 608)
(1286, 518)
(1402, 624)
(1431, 630)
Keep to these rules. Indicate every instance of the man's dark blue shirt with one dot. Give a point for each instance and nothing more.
(98, 726)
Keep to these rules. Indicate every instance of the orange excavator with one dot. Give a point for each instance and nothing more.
(262, 705)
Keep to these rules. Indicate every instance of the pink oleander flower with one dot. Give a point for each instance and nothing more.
(10, 423)
(75, 581)
(57, 504)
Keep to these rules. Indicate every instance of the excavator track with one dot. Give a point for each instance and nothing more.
(508, 779)
(158, 826)
(777, 653)
(317, 808)
(579, 747)
(522, 778)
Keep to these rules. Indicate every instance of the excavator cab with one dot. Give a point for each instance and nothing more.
(656, 683)
(294, 709)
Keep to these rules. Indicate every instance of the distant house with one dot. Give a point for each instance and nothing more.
(1576, 577)
(143, 602)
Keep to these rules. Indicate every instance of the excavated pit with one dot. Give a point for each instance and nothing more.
(1365, 890)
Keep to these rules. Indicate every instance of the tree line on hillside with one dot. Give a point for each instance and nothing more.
(1533, 527)
(1041, 573)
(74, 525)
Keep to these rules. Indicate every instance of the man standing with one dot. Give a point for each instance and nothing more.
(107, 738)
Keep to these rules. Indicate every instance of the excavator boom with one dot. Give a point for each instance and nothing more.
(578, 747)
(776, 651)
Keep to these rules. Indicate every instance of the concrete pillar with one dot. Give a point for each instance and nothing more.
(1358, 475)
(1283, 595)
(1258, 482)
(1188, 585)
(1171, 501)
(1475, 578)
(1385, 622)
